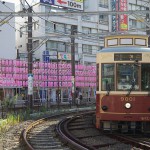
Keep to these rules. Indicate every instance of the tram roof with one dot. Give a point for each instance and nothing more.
(125, 49)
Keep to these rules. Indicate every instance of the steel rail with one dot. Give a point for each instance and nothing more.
(131, 141)
(37, 122)
(66, 137)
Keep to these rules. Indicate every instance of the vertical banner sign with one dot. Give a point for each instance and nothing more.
(123, 17)
(119, 22)
(72, 81)
(113, 2)
(117, 16)
(30, 84)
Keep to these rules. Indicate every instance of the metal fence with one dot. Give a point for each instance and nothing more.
(46, 104)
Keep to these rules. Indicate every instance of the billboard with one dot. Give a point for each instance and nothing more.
(114, 17)
(119, 22)
(74, 4)
(50, 2)
(123, 17)
(64, 56)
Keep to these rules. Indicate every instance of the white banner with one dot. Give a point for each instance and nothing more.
(30, 84)
(74, 4)
(72, 81)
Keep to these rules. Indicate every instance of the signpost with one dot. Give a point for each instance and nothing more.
(30, 84)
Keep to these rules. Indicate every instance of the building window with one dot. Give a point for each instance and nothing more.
(49, 27)
(68, 48)
(35, 44)
(132, 23)
(60, 46)
(67, 29)
(54, 27)
(86, 18)
(86, 4)
(136, 7)
(56, 46)
(36, 25)
(103, 3)
(21, 31)
(87, 49)
(103, 19)
(86, 30)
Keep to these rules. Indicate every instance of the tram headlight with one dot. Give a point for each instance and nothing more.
(127, 105)
(104, 108)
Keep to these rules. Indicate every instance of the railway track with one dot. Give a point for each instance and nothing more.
(141, 141)
(77, 132)
(81, 134)
(41, 135)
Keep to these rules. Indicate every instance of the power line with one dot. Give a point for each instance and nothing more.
(17, 14)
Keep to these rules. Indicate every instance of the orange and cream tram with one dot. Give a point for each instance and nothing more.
(123, 84)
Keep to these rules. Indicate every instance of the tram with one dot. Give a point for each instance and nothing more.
(123, 84)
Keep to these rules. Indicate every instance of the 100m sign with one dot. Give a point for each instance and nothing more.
(74, 5)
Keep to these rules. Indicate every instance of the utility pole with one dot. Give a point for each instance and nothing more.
(73, 28)
(58, 93)
(29, 48)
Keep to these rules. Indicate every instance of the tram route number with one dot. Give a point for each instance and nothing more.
(127, 99)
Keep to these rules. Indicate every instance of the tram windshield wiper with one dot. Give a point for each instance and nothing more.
(132, 87)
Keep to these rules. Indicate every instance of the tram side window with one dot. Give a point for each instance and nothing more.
(145, 77)
(127, 77)
(108, 77)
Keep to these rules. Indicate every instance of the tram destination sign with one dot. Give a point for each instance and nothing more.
(127, 57)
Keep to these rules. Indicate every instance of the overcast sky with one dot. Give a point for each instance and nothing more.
(12, 1)
(18, 1)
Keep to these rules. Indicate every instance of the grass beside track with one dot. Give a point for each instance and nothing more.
(13, 119)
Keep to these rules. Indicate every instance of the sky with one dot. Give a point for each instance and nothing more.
(13, 1)
(17, 1)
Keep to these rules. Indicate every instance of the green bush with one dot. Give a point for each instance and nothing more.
(9, 102)
(11, 120)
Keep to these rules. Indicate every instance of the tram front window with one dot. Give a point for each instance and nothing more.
(108, 77)
(127, 77)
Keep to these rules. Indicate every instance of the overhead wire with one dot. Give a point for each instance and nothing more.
(87, 39)
(7, 22)
(57, 31)
(51, 21)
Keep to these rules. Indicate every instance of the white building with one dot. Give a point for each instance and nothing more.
(55, 33)
(7, 32)
(52, 33)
